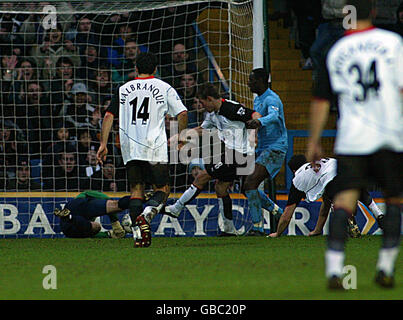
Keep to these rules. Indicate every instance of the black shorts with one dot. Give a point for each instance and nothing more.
(384, 168)
(221, 171)
(143, 172)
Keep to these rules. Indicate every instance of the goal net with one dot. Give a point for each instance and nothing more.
(60, 64)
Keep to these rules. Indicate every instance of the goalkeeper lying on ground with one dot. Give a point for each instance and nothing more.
(78, 215)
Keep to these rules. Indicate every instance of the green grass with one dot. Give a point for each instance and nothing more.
(186, 268)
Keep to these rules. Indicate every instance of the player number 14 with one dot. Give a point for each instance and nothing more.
(142, 112)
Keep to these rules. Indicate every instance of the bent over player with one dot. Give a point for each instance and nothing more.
(141, 106)
(363, 71)
(312, 182)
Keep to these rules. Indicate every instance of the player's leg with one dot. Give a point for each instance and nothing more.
(135, 173)
(350, 179)
(252, 183)
(267, 165)
(191, 193)
(225, 208)
(388, 171)
(366, 199)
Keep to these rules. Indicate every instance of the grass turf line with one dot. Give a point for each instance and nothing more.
(245, 268)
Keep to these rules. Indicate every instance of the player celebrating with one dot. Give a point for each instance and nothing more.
(141, 106)
(78, 215)
(230, 119)
(271, 149)
(364, 70)
(312, 182)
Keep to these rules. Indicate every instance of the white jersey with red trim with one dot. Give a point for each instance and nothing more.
(365, 69)
(313, 180)
(143, 104)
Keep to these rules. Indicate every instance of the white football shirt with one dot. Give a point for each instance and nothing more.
(312, 181)
(143, 104)
(365, 70)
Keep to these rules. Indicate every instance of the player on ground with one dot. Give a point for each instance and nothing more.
(312, 182)
(78, 215)
(364, 71)
(141, 106)
(229, 118)
(271, 149)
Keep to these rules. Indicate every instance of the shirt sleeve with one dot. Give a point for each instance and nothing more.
(399, 69)
(235, 111)
(114, 105)
(175, 104)
(295, 196)
(274, 108)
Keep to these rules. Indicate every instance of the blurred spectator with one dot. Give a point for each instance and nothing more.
(9, 25)
(66, 176)
(180, 64)
(108, 178)
(385, 14)
(102, 85)
(399, 20)
(85, 33)
(79, 113)
(196, 113)
(89, 63)
(308, 15)
(329, 30)
(84, 142)
(90, 165)
(22, 180)
(53, 47)
(127, 70)
(12, 144)
(34, 118)
(281, 11)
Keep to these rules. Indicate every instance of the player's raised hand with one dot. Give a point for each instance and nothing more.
(102, 153)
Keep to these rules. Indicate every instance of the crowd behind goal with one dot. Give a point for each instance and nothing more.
(57, 82)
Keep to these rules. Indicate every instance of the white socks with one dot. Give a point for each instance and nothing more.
(386, 260)
(375, 209)
(334, 261)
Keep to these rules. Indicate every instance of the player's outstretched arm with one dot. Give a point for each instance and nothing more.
(105, 130)
(284, 220)
(323, 214)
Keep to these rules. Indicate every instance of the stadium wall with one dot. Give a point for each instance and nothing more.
(26, 215)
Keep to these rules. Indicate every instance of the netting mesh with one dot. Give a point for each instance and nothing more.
(62, 61)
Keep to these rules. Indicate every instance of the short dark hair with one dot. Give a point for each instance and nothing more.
(363, 7)
(146, 62)
(296, 162)
(208, 90)
(262, 74)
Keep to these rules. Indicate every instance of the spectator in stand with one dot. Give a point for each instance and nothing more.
(85, 34)
(187, 91)
(329, 30)
(34, 118)
(9, 25)
(61, 140)
(108, 178)
(12, 144)
(90, 165)
(89, 63)
(399, 20)
(22, 180)
(84, 142)
(102, 85)
(66, 174)
(79, 113)
(60, 87)
(180, 64)
(53, 47)
(308, 14)
(196, 113)
(127, 70)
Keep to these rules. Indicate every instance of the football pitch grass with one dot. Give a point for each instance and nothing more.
(208, 268)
